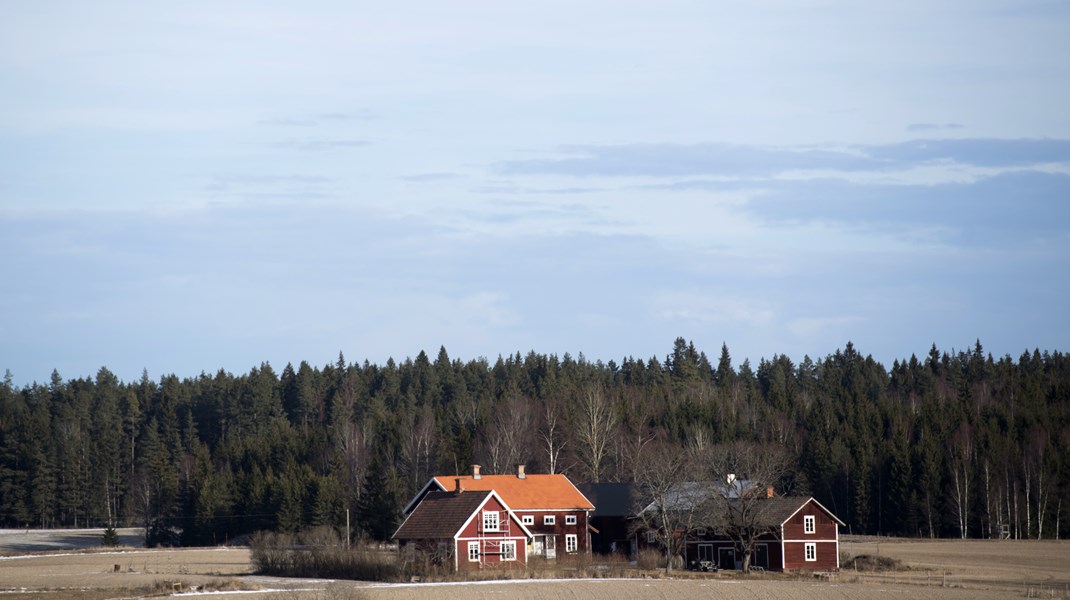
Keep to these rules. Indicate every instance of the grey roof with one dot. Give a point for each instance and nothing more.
(686, 494)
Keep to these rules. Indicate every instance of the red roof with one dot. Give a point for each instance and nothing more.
(531, 492)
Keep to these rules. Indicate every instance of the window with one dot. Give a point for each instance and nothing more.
(570, 519)
(509, 550)
(811, 551)
(809, 525)
(473, 551)
(490, 520)
(571, 543)
(549, 520)
(528, 519)
(701, 531)
(650, 538)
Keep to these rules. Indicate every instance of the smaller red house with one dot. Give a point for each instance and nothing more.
(799, 534)
(470, 530)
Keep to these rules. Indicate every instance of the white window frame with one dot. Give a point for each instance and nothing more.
(651, 537)
(570, 519)
(549, 520)
(491, 520)
(701, 531)
(810, 551)
(473, 552)
(527, 519)
(508, 550)
(572, 543)
(809, 524)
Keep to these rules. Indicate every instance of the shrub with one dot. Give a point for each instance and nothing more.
(867, 562)
(320, 553)
(650, 559)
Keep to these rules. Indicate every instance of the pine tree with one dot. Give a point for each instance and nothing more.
(378, 508)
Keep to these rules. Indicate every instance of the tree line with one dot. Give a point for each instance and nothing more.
(950, 444)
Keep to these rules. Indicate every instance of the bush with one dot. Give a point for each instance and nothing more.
(867, 562)
(650, 559)
(320, 553)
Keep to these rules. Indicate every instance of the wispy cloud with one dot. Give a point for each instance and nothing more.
(712, 308)
(318, 144)
(926, 127)
(429, 177)
(294, 187)
(316, 120)
(715, 159)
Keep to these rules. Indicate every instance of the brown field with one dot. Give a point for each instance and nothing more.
(941, 569)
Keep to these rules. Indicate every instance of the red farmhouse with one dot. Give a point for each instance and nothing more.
(549, 506)
(469, 530)
(801, 534)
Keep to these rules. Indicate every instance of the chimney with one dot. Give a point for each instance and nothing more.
(475, 472)
(520, 472)
(458, 486)
(769, 492)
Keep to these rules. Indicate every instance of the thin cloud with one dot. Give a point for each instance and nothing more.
(318, 145)
(1007, 208)
(808, 326)
(428, 177)
(730, 160)
(925, 127)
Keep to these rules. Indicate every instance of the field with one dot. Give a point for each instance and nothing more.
(941, 569)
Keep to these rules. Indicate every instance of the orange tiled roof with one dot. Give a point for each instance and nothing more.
(533, 492)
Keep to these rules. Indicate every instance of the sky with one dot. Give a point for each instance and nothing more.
(194, 186)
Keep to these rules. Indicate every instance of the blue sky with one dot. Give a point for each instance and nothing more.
(193, 186)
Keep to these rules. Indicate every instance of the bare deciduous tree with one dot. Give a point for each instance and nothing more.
(962, 455)
(596, 422)
(509, 439)
(550, 434)
(743, 472)
(418, 444)
(669, 503)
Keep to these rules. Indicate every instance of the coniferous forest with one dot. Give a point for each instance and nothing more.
(949, 444)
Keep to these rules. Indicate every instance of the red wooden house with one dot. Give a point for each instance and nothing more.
(469, 530)
(553, 510)
(799, 534)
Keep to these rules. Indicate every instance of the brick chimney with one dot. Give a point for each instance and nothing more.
(475, 472)
(458, 486)
(769, 492)
(520, 472)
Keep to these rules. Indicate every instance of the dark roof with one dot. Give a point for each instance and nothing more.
(778, 509)
(441, 515)
(610, 499)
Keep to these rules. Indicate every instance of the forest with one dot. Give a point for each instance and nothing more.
(953, 444)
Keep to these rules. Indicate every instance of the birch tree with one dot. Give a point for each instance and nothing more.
(595, 423)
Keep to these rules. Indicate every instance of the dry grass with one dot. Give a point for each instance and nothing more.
(918, 569)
